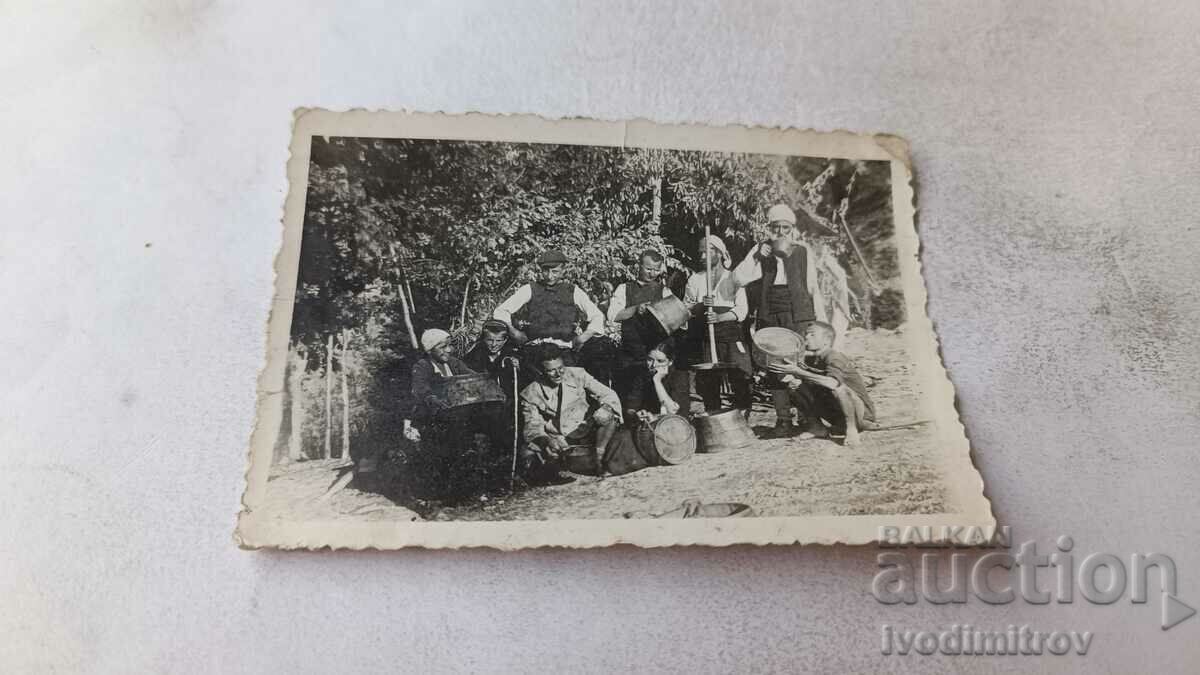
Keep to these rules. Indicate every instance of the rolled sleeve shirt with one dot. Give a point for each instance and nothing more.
(514, 303)
(616, 304)
(726, 293)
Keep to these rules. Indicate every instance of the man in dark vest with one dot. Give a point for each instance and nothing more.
(787, 281)
(639, 332)
(552, 309)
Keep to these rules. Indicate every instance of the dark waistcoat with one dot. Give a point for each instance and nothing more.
(551, 311)
(796, 267)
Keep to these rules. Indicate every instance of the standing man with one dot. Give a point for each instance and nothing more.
(725, 309)
(788, 277)
(552, 308)
(628, 308)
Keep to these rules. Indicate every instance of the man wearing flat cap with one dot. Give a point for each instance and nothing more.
(552, 309)
(787, 283)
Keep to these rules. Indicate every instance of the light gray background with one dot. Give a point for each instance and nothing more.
(142, 182)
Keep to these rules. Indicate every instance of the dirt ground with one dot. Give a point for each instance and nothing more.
(891, 472)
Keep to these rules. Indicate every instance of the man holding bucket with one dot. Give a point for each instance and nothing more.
(787, 274)
(639, 330)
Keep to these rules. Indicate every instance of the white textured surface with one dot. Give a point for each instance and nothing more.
(1058, 164)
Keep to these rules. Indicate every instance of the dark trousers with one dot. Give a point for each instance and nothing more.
(781, 397)
(740, 377)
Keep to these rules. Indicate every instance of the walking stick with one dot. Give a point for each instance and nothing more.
(512, 476)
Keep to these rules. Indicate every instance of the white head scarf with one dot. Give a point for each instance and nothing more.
(433, 337)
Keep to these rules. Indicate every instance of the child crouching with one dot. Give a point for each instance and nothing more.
(826, 385)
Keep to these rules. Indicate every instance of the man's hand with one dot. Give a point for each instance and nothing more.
(764, 250)
(557, 445)
(641, 308)
(582, 338)
(710, 315)
(604, 415)
(517, 334)
(819, 380)
(709, 301)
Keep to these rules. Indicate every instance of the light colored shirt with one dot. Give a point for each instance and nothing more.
(750, 270)
(726, 293)
(616, 304)
(514, 303)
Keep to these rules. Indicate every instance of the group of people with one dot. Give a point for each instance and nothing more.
(578, 391)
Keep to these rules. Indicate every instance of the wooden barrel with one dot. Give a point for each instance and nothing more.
(670, 439)
(472, 388)
(670, 314)
(776, 345)
(723, 430)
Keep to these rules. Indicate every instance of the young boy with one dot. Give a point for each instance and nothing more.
(827, 385)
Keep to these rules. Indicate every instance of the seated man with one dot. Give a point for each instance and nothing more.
(564, 407)
(827, 386)
(494, 354)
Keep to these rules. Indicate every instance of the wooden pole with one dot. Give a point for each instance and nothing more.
(462, 316)
(401, 282)
(656, 212)
(408, 324)
(329, 397)
(408, 289)
(854, 244)
(295, 451)
(345, 395)
(712, 335)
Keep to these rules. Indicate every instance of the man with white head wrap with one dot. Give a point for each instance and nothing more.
(787, 271)
(725, 309)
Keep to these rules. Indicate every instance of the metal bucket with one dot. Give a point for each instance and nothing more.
(472, 388)
(723, 430)
(776, 345)
(670, 314)
(670, 439)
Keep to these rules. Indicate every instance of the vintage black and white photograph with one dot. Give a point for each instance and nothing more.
(589, 334)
